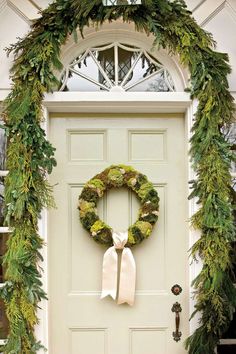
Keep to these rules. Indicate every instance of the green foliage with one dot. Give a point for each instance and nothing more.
(89, 220)
(115, 177)
(145, 227)
(97, 227)
(31, 157)
(89, 194)
(98, 185)
(85, 207)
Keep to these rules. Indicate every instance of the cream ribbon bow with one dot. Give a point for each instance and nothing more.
(124, 292)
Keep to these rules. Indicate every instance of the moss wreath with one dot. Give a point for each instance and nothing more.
(117, 176)
(30, 157)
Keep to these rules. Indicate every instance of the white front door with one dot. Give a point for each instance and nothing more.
(81, 323)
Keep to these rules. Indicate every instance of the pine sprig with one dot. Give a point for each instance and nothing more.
(31, 157)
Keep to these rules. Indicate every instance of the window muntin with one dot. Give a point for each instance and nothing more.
(116, 66)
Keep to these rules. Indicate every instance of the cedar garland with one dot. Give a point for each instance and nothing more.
(30, 158)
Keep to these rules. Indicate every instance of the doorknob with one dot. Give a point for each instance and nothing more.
(176, 308)
(176, 289)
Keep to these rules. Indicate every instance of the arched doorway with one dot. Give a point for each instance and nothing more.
(118, 127)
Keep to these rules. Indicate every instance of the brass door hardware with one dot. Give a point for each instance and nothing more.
(177, 309)
(176, 289)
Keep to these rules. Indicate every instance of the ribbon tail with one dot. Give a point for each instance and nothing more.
(127, 278)
(109, 273)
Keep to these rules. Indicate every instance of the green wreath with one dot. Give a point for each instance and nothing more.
(117, 176)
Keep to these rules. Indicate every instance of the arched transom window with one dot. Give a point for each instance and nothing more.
(116, 67)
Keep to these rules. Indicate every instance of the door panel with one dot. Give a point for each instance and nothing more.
(81, 323)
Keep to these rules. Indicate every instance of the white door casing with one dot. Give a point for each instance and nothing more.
(79, 321)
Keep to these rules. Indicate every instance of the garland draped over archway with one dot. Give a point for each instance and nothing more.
(30, 158)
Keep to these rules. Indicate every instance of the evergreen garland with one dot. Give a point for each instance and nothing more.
(30, 158)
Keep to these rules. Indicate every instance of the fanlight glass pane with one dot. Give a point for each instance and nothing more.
(78, 83)
(121, 2)
(142, 70)
(125, 60)
(116, 65)
(106, 59)
(155, 83)
(83, 74)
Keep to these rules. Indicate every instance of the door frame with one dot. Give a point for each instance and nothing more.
(117, 102)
